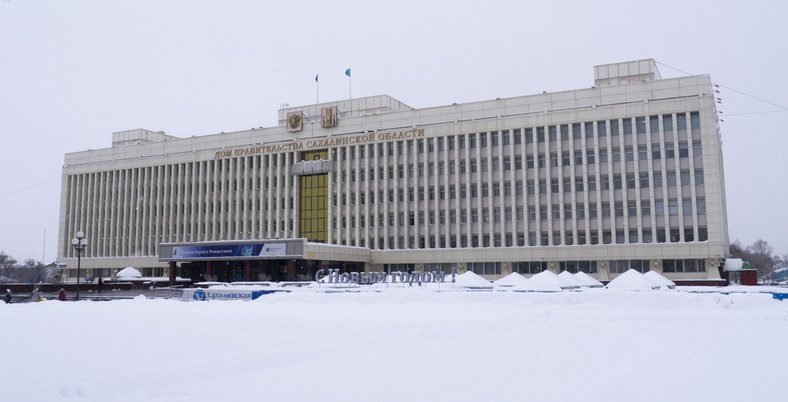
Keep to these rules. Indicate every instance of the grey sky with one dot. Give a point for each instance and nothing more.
(73, 72)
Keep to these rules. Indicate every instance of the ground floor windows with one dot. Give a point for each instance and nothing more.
(529, 267)
(621, 266)
(485, 268)
(687, 265)
(588, 267)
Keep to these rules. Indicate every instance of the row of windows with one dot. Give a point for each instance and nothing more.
(541, 134)
(517, 214)
(474, 165)
(593, 237)
(566, 184)
(669, 265)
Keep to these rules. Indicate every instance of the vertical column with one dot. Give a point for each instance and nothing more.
(173, 267)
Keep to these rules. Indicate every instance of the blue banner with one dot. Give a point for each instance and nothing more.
(209, 251)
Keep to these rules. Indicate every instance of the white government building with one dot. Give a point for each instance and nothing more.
(627, 173)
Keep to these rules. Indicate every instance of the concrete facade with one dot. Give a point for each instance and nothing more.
(627, 173)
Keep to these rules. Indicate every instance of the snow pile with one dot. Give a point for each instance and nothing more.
(129, 273)
(470, 280)
(587, 280)
(632, 280)
(659, 280)
(545, 281)
(510, 280)
(570, 280)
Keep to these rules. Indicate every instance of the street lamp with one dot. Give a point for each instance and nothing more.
(79, 243)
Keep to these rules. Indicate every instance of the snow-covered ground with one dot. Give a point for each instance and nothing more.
(395, 344)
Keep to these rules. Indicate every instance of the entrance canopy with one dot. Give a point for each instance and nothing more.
(273, 249)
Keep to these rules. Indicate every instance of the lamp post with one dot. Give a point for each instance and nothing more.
(79, 243)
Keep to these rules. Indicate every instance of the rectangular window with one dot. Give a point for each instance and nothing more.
(640, 124)
(591, 183)
(685, 177)
(627, 126)
(667, 122)
(645, 208)
(631, 180)
(683, 149)
(644, 180)
(642, 152)
(671, 178)
(694, 120)
(654, 123)
(700, 205)
(614, 127)
(601, 128)
(669, 151)
(699, 177)
(686, 206)
(673, 207)
(632, 208)
(697, 149)
(564, 132)
(605, 182)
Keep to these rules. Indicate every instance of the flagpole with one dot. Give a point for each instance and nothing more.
(317, 86)
(350, 88)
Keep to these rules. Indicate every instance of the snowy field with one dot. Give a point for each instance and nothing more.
(400, 345)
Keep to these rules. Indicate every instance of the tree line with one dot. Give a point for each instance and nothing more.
(29, 271)
(760, 255)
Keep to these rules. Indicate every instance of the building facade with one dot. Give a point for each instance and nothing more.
(625, 174)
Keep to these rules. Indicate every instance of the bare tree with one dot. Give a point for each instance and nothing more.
(762, 259)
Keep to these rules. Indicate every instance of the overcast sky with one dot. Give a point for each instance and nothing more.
(73, 72)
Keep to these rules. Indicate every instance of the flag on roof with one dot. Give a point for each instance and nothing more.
(347, 72)
(315, 77)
